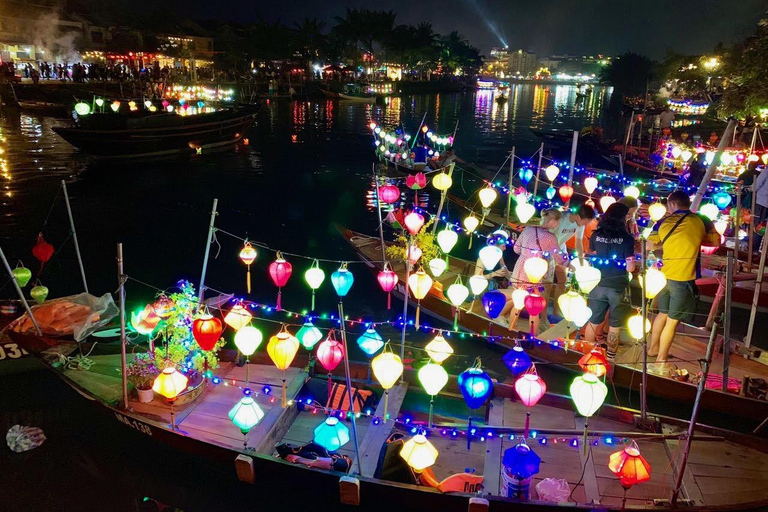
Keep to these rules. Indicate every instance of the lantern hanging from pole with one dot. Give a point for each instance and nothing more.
(370, 342)
(656, 211)
(587, 277)
(552, 172)
(447, 239)
(238, 317)
(606, 201)
(414, 222)
(414, 254)
(280, 271)
(433, 378)
(490, 255)
(595, 362)
(331, 434)
(309, 335)
(387, 280)
(487, 196)
(721, 199)
(588, 394)
(314, 276)
(475, 385)
(518, 298)
(590, 184)
(632, 191)
(437, 266)
(493, 303)
(709, 210)
(565, 192)
(389, 194)
(387, 367)
(39, 293)
(330, 352)
(477, 284)
(530, 388)
(164, 307)
(655, 281)
(535, 268)
(246, 414)
(438, 349)
(43, 251)
(170, 383)
(248, 256)
(442, 181)
(517, 360)
(629, 466)
(248, 339)
(457, 293)
(419, 453)
(22, 275)
(420, 284)
(470, 224)
(571, 304)
(524, 212)
(206, 330)
(342, 280)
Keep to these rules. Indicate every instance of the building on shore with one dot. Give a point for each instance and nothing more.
(522, 63)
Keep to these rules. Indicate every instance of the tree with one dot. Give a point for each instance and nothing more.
(746, 75)
(629, 73)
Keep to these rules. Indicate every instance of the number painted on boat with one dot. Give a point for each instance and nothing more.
(11, 351)
(144, 429)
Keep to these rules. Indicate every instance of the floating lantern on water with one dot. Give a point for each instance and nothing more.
(438, 349)
(535, 268)
(206, 330)
(419, 453)
(387, 280)
(238, 317)
(517, 360)
(331, 434)
(447, 239)
(475, 385)
(314, 276)
(420, 284)
(248, 256)
(342, 280)
(629, 466)
(280, 271)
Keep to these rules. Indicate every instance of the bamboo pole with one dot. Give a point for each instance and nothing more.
(74, 235)
(644, 381)
(405, 303)
(756, 295)
(123, 362)
(349, 384)
(538, 171)
(20, 293)
(727, 320)
(442, 201)
(713, 166)
(211, 229)
(509, 186)
(416, 135)
(378, 210)
(574, 147)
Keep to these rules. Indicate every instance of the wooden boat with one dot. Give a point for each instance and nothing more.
(110, 135)
(550, 347)
(203, 428)
(350, 92)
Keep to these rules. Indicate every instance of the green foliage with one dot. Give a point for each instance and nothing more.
(746, 75)
(425, 241)
(628, 73)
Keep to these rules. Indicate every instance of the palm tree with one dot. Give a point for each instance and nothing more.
(309, 39)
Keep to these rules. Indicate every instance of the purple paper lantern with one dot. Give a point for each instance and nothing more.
(493, 303)
(521, 461)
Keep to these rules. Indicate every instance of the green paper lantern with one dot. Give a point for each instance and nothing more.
(22, 275)
(39, 293)
(82, 109)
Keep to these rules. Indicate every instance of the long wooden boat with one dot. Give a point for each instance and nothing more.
(109, 135)
(202, 427)
(547, 347)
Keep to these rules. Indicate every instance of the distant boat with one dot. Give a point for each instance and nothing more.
(351, 92)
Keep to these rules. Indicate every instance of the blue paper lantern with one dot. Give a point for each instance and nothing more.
(493, 303)
(370, 342)
(517, 361)
(521, 461)
(721, 199)
(476, 386)
(551, 191)
(342, 281)
(331, 434)
(526, 175)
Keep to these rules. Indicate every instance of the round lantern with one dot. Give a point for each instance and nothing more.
(588, 393)
(571, 304)
(552, 172)
(246, 414)
(632, 191)
(477, 284)
(414, 222)
(330, 353)
(314, 276)
(606, 201)
(420, 284)
(248, 339)
(164, 307)
(82, 108)
(389, 194)
(524, 212)
(657, 211)
(447, 239)
(594, 362)
(437, 266)
(535, 304)
(433, 378)
(39, 293)
(238, 317)
(517, 360)
(565, 192)
(387, 280)
(487, 196)
(629, 466)
(206, 330)
(419, 453)
(587, 277)
(493, 303)
(590, 184)
(309, 335)
(170, 383)
(342, 280)
(535, 268)
(248, 256)
(490, 255)
(370, 342)
(655, 281)
(43, 251)
(476, 386)
(416, 181)
(710, 211)
(387, 368)
(530, 388)
(442, 181)
(280, 271)
(282, 348)
(438, 349)
(635, 326)
(331, 434)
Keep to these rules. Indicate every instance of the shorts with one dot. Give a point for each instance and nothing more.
(603, 299)
(678, 300)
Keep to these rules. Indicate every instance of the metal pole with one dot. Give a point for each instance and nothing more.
(509, 187)
(20, 293)
(211, 229)
(758, 290)
(538, 171)
(405, 304)
(349, 384)
(378, 210)
(713, 166)
(695, 414)
(727, 321)
(752, 208)
(644, 381)
(442, 201)
(74, 234)
(574, 146)
(123, 362)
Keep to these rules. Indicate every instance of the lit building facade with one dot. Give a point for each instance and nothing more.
(522, 63)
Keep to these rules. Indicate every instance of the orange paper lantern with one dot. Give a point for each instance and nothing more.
(629, 466)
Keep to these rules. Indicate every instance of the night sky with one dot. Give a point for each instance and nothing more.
(541, 26)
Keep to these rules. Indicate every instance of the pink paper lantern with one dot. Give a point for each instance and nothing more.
(387, 280)
(280, 271)
(389, 194)
(416, 181)
(530, 388)
(330, 353)
(535, 304)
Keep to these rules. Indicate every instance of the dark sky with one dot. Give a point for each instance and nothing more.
(541, 26)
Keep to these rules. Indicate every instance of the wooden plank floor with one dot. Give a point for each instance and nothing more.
(377, 435)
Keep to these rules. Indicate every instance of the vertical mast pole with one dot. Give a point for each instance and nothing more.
(74, 235)
(211, 228)
(123, 362)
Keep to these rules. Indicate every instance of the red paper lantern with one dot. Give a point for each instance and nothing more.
(629, 466)
(43, 251)
(387, 280)
(594, 362)
(535, 304)
(566, 192)
(280, 270)
(388, 194)
(416, 181)
(206, 330)
(330, 353)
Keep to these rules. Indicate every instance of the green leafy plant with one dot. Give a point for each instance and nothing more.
(424, 240)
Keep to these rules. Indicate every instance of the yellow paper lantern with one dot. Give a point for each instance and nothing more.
(487, 196)
(170, 383)
(535, 268)
(419, 453)
(552, 172)
(470, 223)
(587, 277)
(447, 239)
(655, 281)
(238, 317)
(420, 284)
(657, 211)
(635, 325)
(606, 201)
(632, 191)
(572, 305)
(518, 298)
(442, 181)
(439, 349)
(282, 348)
(387, 368)
(433, 378)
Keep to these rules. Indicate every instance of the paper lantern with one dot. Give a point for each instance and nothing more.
(420, 284)
(635, 326)
(582, 316)
(524, 212)
(535, 304)
(438, 349)
(521, 461)
(170, 383)
(387, 280)
(629, 466)
(309, 335)
(551, 191)
(414, 222)
(476, 386)
(571, 304)
(517, 360)
(82, 108)
(387, 368)
(525, 175)
(164, 307)
(565, 192)
(447, 239)
(433, 378)
(248, 339)
(721, 199)
(552, 172)
(237, 317)
(414, 254)
(437, 266)
(144, 321)
(477, 284)
(342, 280)
(470, 223)
(419, 453)
(535, 268)
(331, 434)
(115, 106)
(330, 353)
(594, 362)
(314, 276)
(442, 181)
(686, 155)
(487, 196)
(587, 277)
(709, 210)
(39, 293)
(280, 271)
(246, 414)
(282, 348)
(530, 388)
(43, 251)
(206, 330)
(655, 281)
(416, 181)
(490, 255)
(606, 201)
(518, 298)
(248, 256)
(632, 191)
(590, 184)
(457, 293)
(493, 303)
(657, 211)
(588, 393)
(389, 194)
(370, 342)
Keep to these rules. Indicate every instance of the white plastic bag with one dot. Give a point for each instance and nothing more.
(556, 490)
(21, 439)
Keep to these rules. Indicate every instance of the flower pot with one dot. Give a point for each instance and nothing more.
(145, 395)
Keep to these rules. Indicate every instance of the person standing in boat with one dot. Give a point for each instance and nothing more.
(680, 235)
(612, 243)
(570, 225)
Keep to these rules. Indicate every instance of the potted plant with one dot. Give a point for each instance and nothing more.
(141, 372)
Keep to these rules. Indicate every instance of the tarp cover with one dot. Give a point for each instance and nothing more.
(78, 316)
